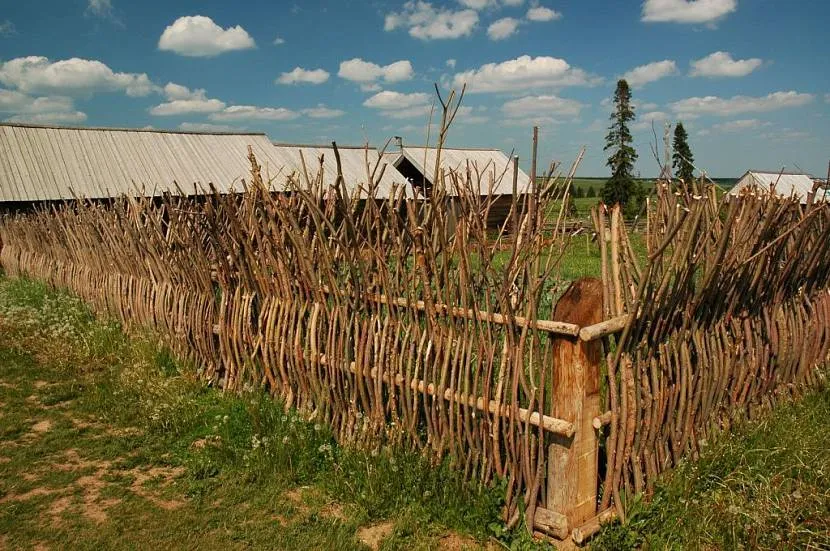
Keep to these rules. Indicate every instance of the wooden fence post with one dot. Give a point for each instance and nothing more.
(573, 476)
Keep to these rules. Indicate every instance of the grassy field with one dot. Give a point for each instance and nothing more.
(584, 184)
(107, 443)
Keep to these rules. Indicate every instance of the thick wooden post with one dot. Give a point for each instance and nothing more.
(573, 475)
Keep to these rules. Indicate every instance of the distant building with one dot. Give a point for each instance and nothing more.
(487, 172)
(784, 184)
(53, 163)
(41, 164)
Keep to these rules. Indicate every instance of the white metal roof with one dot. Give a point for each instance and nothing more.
(53, 163)
(784, 184)
(357, 163)
(42, 163)
(490, 169)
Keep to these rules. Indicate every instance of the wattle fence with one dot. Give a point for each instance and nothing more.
(404, 322)
(729, 313)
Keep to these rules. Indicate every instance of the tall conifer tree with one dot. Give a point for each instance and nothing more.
(621, 187)
(682, 159)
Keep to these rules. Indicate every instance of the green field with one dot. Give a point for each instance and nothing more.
(584, 184)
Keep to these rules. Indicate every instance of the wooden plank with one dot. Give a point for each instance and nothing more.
(556, 426)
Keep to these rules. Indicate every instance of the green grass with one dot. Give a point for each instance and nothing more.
(107, 443)
(766, 486)
(585, 183)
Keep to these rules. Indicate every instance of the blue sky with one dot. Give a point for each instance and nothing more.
(750, 79)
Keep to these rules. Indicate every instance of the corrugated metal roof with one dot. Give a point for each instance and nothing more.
(494, 167)
(354, 161)
(785, 184)
(52, 163)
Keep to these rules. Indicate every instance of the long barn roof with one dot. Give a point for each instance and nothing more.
(40, 163)
(45, 163)
(354, 161)
(491, 170)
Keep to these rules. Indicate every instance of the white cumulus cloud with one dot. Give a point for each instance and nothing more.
(427, 22)
(65, 117)
(541, 13)
(651, 119)
(398, 105)
(45, 109)
(650, 72)
(75, 76)
(207, 127)
(322, 112)
(102, 9)
(199, 36)
(721, 64)
(502, 28)
(713, 105)
(396, 100)
(253, 113)
(299, 75)
(549, 106)
(523, 73)
(687, 11)
(478, 4)
(183, 101)
(367, 73)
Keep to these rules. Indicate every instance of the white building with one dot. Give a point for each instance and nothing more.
(784, 184)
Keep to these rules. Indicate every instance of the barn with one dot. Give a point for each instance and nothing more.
(784, 184)
(51, 163)
(488, 172)
(42, 164)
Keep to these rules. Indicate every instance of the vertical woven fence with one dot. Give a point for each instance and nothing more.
(406, 322)
(729, 313)
(395, 322)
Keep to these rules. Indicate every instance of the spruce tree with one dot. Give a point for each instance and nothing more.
(591, 193)
(621, 188)
(682, 159)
